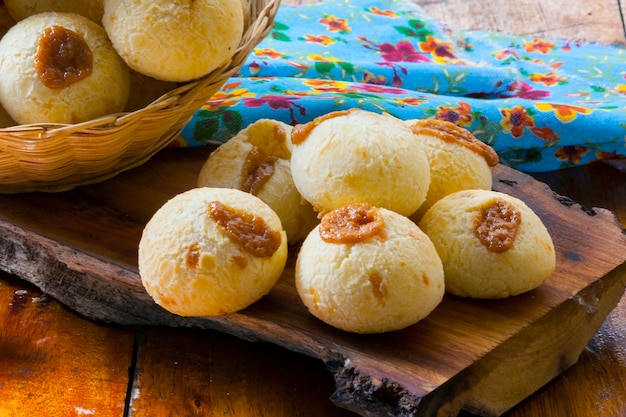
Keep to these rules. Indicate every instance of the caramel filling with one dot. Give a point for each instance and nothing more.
(496, 225)
(245, 229)
(257, 170)
(63, 58)
(352, 223)
(452, 133)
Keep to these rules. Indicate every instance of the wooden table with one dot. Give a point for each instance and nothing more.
(55, 362)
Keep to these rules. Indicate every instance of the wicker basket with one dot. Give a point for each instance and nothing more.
(55, 157)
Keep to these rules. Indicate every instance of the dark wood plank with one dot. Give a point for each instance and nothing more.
(220, 376)
(53, 362)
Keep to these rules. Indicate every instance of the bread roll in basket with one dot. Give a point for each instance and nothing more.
(59, 157)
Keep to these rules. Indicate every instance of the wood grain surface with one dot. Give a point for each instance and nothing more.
(460, 356)
(55, 362)
(598, 21)
(52, 362)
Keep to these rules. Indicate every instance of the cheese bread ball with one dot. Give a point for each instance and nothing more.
(21, 9)
(211, 251)
(359, 156)
(257, 160)
(368, 270)
(492, 245)
(458, 161)
(60, 68)
(174, 40)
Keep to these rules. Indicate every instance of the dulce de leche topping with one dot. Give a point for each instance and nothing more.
(250, 232)
(63, 57)
(300, 132)
(352, 223)
(496, 224)
(257, 169)
(452, 133)
(192, 257)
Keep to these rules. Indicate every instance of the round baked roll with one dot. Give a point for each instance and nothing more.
(211, 251)
(458, 160)
(257, 160)
(21, 9)
(368, 270)
(359, 156)
(492, 245)
(60, 68)
(174, 40)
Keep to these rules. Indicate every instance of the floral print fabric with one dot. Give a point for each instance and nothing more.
(542, 104)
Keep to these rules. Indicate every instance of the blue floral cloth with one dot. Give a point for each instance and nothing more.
(542, 104)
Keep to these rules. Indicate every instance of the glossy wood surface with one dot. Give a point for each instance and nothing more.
(55, 362)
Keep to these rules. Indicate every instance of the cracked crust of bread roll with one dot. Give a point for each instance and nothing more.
(492, 245)
(368, 270)
(359, 156)
(174, 40)
(21, 9)
(211, 252)
(257, 160)
(29, 99)
(458, 160)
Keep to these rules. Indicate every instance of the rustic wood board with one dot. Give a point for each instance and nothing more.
(80, 247)
(55, 363)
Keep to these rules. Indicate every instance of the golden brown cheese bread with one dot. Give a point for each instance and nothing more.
(492, 245)
(211, 251)
(359, 156)
(458, 160)
(60, 68)
(174, 40)
(257, 160)
(368, 270)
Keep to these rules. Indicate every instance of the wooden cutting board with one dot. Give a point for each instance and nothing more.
(483, 356)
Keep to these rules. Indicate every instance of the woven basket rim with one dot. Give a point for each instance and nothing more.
(132, 135)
